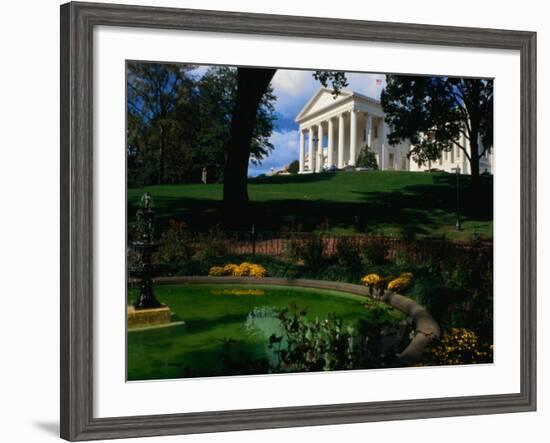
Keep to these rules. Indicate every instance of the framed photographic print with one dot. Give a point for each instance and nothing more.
(273, 221)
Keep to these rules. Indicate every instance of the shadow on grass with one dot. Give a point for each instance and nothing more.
(291, 179)
(418, 208)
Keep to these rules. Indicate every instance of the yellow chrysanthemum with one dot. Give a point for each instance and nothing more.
(460, 346)
(245, 269)
(371, 279)
(257, 271)
(216, 271)
(229, 269)
(400, 282)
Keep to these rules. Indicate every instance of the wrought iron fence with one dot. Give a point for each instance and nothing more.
(278, 244)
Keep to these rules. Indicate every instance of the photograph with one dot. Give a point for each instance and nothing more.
(283, 220)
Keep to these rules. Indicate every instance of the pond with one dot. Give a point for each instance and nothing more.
(242, 316)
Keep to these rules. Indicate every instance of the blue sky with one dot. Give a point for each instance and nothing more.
(293, 88)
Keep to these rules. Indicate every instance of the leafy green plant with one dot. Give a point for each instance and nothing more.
(367, 158)
(375, 252)
(348, 253)
(294, 167)
(176, 245)
(312, 345)
(328, 344)
(213, 245)
(458, 346)
(310, 250)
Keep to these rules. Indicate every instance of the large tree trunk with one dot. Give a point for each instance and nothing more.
(252, 84)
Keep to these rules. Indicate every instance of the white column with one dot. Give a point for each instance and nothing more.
(353, 138)
(382, 134)
(320, 162)
(302, 150)
(341, 141)
(330, 160)
(369, 132)
(311, 150)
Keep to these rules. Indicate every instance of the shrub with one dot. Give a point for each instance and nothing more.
(367, 158)
(348, 253)
(375, 252)
(176, 246)
(371, 280)
(216, 271)
(312, 345)
(229, 269)
(257, 271)
(213, 245)
(309, 250)
(459, 346)
(401, 282)
(245, 269)
(294, 167)
(329, 344)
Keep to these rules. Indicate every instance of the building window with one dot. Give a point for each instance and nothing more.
(375, 131)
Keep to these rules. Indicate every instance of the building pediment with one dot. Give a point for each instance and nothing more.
(322, 99)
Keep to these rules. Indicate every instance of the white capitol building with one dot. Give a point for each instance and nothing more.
(334, 130)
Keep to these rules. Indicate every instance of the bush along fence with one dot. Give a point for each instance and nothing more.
(376, 247)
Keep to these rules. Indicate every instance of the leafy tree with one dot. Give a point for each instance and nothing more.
(434, 112)
(252, 84)
(218, 91)
(178, 123)
(294, 167)
(157, 93)
(367, 158)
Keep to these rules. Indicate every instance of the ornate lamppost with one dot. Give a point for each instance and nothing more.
(145, 246)
(458, 225)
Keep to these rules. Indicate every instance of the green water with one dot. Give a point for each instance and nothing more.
(214, 313)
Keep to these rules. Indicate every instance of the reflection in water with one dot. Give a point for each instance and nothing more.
(263, 322)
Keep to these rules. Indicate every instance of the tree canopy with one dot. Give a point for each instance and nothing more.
(437, 113)
(179, 122)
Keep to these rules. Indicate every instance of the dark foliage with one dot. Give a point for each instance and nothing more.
(438, 113)
(179, 124)
(367, 158)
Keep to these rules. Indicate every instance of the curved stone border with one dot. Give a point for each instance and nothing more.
(426, 328)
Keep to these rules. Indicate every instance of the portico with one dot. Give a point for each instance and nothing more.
(334, 129)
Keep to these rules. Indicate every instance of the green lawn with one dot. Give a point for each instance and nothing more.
(386, 202)
(213, 313)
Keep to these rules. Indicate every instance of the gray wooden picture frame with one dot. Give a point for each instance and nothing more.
(77, 23)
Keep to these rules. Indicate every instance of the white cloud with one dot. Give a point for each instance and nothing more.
(293, 89)
(286, 150)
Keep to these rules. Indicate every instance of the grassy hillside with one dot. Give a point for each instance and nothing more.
(388, 202)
